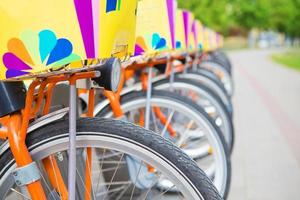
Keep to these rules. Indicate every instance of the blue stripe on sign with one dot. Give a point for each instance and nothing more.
(111, 5)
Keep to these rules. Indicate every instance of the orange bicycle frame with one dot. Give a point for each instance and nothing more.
(14, 128)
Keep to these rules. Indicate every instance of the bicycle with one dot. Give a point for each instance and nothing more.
(103, 141)
(155, 110)
(174, 116)
(48, 145)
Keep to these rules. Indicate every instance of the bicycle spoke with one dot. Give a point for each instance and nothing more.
(112, 162)
(111, 191)
(81, 180)
(210, 172)
(136, 180)
(199, 153)
(101, 166)
(160, 195)
(52, 165)
(123, 192)
(154, 121)
(115, 154)
(20, 194)
(46, 183)
(167, 123)
(148, 191)
(184, 135)
(117, 183)
(109, 169)
(115, 172)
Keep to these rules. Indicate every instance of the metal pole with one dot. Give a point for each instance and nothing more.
(195, 63)
(187, 65)
(72, 143)
(172, 74)
(148, 99)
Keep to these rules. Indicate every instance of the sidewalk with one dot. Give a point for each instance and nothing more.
(266, 158)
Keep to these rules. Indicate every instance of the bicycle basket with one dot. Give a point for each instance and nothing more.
(180, 35)
(206, 43)
(184, 34)
(46, 35)
(155, 30)
(199, 32)
(188, 19)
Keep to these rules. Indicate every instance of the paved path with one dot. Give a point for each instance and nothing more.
(266, 158)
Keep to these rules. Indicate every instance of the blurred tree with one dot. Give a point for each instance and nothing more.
(282, 13)
(214, 13)
(295, 23)
(223, 15)
(253, 13)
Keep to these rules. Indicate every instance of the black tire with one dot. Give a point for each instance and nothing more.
(214, 85)
(222, 56)
(227, 80)
(214, 96)
(122, 130)
(212, 76)
(221, 62)
(188, 103)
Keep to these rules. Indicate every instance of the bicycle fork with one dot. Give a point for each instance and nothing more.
(148, 98)
(15, 130)
(16, 134)
(147, 85)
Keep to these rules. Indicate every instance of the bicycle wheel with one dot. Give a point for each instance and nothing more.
(206, 98)
(214, 57)
(211, 75)
(226, 77)
(196, 134)
(120, 153)
(213, 85)
(220, 55)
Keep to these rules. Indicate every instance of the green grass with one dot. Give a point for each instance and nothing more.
(290, 59)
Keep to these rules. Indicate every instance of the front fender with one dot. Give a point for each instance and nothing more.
(135, 87)
(40, 122)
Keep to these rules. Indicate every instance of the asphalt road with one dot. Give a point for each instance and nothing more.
(266, 157)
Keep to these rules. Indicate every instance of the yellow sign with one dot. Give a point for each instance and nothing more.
(153, 31)
(117, 26)
(197, 34)
(42, 35)
(184, 34)
(180, 35)
(191, 39)
(200, 34)
(207, 42)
